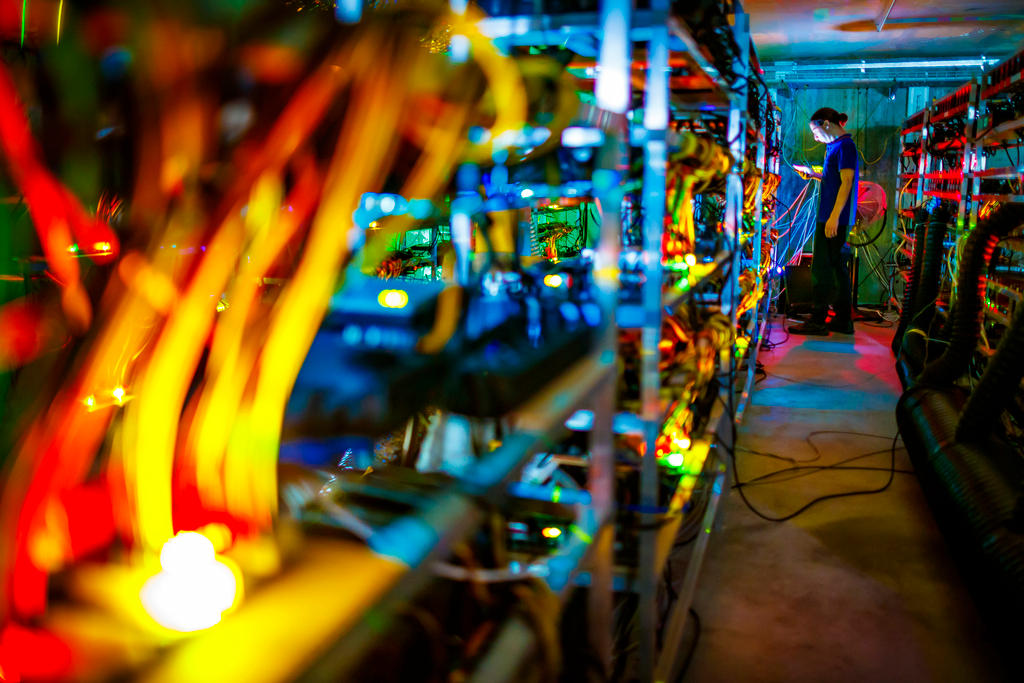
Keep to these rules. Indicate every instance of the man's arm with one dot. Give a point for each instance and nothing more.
(845, 187)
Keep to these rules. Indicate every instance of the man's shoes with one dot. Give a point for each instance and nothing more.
(810, 328)
(842, 327)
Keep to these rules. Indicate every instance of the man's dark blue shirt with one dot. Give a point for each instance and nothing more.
(840, 154)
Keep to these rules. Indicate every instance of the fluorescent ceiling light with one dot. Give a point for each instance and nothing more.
(916, 64)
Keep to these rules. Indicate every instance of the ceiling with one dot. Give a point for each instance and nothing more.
(805, 30)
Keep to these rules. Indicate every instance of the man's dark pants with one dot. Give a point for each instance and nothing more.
(830, 276)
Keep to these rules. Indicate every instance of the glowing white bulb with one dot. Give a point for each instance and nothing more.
(118, 394)
(194, 588)
(186, 550)
(387, 204)
(393, 298)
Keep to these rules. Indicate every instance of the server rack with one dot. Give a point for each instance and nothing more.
(396, 564)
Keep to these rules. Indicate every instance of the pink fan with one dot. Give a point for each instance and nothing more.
(871, 205)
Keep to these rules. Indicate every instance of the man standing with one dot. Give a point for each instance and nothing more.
(830, 275)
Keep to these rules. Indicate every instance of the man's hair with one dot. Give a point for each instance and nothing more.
(829, 114)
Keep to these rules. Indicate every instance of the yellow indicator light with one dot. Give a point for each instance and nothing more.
(553, 280)
(89, 401)
(676, 459)
(691, 259)
(682, 444)
(101, 246)
(118, 394)
(193, 588)
(222, 306)
(393, 298)
(551, 532)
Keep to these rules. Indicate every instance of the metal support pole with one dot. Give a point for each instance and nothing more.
(601, 484)
(880, 22)
(653, 201)
(924, 164)
(669, 659)
(968, 167)
(461, 223)
(737, 138)
(762, 153)
(613, 94)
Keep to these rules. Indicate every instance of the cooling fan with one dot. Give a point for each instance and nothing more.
(871, 209)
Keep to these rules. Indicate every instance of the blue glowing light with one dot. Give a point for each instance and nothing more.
(579, 136)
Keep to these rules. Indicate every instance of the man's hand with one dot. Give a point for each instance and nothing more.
(832, 226)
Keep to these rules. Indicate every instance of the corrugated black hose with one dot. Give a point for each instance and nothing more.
(910, 292)
(931, 269)
(915, 347)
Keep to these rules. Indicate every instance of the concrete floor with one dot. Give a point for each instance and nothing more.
(856, 589)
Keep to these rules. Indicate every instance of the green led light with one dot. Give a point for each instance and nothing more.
(556, 495)
(580, 534)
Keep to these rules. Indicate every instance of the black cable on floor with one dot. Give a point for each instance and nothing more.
(785, 518)
(693, 644)
(773, 456)
(759, 369)
(824, 385)
(817, 453)
(815, 469)
(670, 600)
(844, 431)
(767, 344)
(808, 470)
(841, 464)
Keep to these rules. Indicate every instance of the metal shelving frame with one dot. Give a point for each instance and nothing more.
(418, 541)
(923, 162)
(967, 217)
(901, 204)
(400, 557)
(661, 33)
(759, 317)
(654, 665)
(973, 167)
